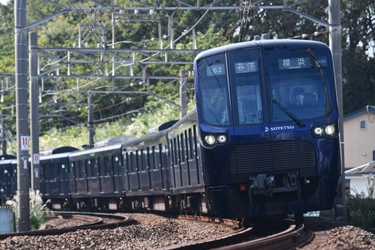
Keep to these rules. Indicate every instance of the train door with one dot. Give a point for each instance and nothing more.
(81, 180)
(72, 182)
(133, 174)
(190, 155)
(155, 170)
(116, 165)
(87, 175)
(101, 175)
(164, 166)
(126, 172)
(94, 182)
(108, 174)
(63, 178)
(175, 163)
(184, 165)
(14, 177)
(144, 177)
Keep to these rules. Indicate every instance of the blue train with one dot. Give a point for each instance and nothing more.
(262, 141)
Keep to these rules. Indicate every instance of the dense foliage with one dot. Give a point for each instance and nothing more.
(64, 99)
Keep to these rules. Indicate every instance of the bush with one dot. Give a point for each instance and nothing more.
(38, 210)
(360, 208)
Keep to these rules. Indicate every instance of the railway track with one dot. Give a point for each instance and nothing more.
(88, 221)
(276, 234)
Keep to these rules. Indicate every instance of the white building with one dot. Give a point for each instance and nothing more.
(359, 149)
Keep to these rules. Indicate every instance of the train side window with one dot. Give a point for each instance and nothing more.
(62, 171)
(190, 142)
(94, 168)
(175, 151)
(107, 166)
(126, 165)
(133, 164)
(155, 156)
(100, 166)
(80, 170)
(195, 140)
(162, 156)
(120, 164)
(187, 146)
(87, 168)
(182, 146)
(114, 164)
(151, 158)
(54, 173)
(145, 157)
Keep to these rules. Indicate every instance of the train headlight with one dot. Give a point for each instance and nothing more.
(210, 139)
(222, 138)
(330, 130)
(318, 131)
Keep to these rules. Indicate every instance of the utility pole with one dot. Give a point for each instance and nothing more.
(23, 176)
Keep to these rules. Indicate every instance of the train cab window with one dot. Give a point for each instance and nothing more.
(245, 82)
(213, 90)
(107, 166)
(299, 83)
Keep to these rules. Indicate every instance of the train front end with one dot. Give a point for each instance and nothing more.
(268, 124)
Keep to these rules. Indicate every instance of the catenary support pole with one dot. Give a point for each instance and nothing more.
(23, 171)
(90, 125)
(183, 97)
(3, 135)
(34, 110)
(335, 44)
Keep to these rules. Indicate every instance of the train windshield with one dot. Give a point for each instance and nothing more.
(214, 90)
(294, 82)
(299, 82)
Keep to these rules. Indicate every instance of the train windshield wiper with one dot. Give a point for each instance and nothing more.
(289, 113)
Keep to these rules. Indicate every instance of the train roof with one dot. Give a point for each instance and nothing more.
(114, 140)
(96, 150)
(7, 157)
(161, 127)
(258, 43)
(59, 150)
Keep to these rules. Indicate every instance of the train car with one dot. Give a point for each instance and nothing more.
(186, 170)
(8, 177)
(54, 176)
(268, 127)
(146, 178)
(96, 178)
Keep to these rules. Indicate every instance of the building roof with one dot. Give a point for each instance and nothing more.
(368, 168)
(365, 110)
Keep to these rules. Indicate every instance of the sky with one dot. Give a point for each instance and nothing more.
(4, 1)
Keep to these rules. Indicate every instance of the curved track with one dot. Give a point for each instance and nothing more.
(287, 238)
(91, 221)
